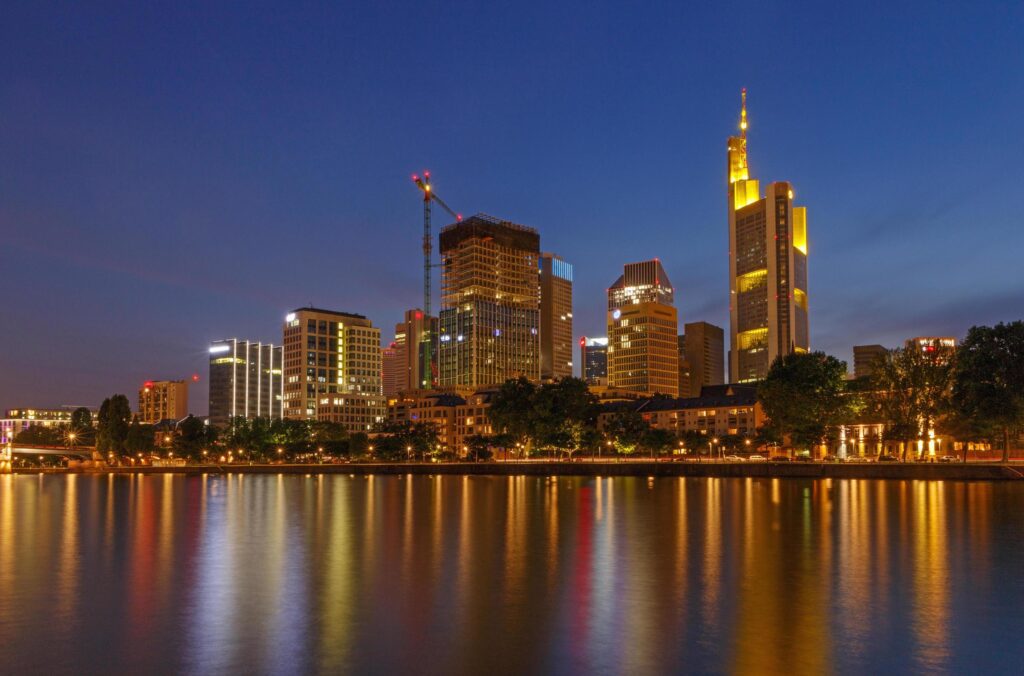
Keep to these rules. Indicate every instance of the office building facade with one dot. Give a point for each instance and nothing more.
(490, 305)
(246, 380)
(555, 317)
(767, 268)
(703, 350)
(866, 359)
(332, 368)
(643, 353)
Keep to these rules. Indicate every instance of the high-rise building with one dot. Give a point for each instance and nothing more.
(865, 358)
(555, 317)
(594, 360)
(938, 347)
(411, 336)
(389, 369)
(332, 368)
(643, 353)
(163, 400)
(684, 369)
(490, 305)
(704, 351)
(245, 380)
(767, 268)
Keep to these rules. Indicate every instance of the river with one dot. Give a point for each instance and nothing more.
(450, 575)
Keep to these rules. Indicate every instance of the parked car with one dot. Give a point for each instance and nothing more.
(948, 458)
(733, 458)
(830, 458)
(804, 458)
(857, 459)
(888, 458)
(756, 458)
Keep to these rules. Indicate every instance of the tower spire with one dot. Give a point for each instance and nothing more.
(743, 113)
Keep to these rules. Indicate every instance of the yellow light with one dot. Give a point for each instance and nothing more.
(800, 229)
(752, 280)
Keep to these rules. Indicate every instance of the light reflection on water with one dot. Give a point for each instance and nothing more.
(277, 574)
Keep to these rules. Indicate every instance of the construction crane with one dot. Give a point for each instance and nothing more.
(428, 197)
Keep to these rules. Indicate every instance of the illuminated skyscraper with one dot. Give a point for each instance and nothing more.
(555, 317)
(332, 368)
(245, 380)
(389, 369)
(490, 304)
(594, 360)
(767, 268)
(643, 353)
(163, 400)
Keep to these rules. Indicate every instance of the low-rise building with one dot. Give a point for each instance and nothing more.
(720, 410)
(17, 420)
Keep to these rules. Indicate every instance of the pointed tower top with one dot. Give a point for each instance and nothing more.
(743, 113)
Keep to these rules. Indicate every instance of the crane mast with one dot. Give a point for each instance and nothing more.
(428, 198)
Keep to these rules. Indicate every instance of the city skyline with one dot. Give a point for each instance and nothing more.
(892, 255)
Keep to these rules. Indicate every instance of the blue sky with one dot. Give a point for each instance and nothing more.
(175, 173)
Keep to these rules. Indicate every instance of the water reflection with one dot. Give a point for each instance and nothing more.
(517, 574)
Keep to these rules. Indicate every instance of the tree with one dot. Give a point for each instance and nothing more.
(563, 415)
(358, 444)
(192, 438)
(112, 425)
(43, 435)
(910, 388)
(81, 427)
(139, 438)
(511, 410)
(658, 441)
(405, 440)
(988, 381)
(803, 395)
(626, 430)
(693, 441)
(478, 447)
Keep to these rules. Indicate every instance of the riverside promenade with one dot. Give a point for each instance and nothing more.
(974, 471)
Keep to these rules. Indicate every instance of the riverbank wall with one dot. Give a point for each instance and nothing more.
(894, 471)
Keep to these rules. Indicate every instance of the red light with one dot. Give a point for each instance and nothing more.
(458, 217)
(583, 341)
(426, 174)
(148, 384)
(195, 377)
(419, 315)
(415, 177)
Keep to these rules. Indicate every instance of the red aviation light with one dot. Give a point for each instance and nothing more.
(583, 341)
(195, 377)
(426, 174)
(419, 315)
(415, 177)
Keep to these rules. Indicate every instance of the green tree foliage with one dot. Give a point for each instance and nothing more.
(988, 383)
(564, 414)
(81, 426)
(42, 435)
(511, 409)
(804, 395)
(910, 390)
(192, 438)
(112, 425)
(139, 439)
(405, 440)
(478, 448)
(694, 442)
(658, 441)
(626, 430)
(358, 444)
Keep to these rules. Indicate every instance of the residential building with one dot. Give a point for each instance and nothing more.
(332, 368)
(390, 369)
(428, 406)
(555, 317)
(246, 379)
(865, 358)
(767, 268)
(594, 360)
(163, 400)
(704, 352)
(490, 306)
(643, 354)
(718, 410)
(417, 366)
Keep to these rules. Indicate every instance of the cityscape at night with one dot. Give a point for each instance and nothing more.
(580, 338)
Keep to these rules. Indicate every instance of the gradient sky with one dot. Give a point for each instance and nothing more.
(176, 173)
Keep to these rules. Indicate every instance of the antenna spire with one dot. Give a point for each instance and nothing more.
(743, 113)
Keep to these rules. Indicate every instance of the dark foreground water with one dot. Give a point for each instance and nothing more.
(283, 574)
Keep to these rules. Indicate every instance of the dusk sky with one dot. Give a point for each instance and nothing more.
(174, 174)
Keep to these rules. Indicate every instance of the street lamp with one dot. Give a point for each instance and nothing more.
(408, 453)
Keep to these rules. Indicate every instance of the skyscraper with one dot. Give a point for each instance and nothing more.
(245, 380)
(643, 354)
(866, 358)
(704, 351)
(414, 373)
(767, 268)
(332, 368)
(594, 360)
(490, 306)
(555, 317)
